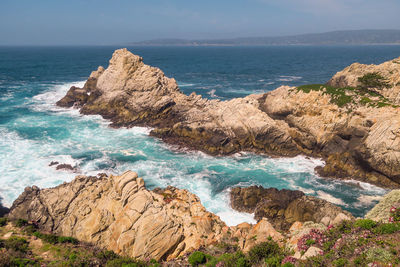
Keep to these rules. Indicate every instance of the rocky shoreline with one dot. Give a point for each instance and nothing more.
(170, 225)
(353, 131)
(118, 213)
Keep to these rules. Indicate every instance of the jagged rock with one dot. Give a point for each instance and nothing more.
(284, 207)
(312, 252)
(381, 211)
(390, 70)
(284, 122)
(249, 235)
(298, 230)
(118, 213)
(130, 92)
(352, 142)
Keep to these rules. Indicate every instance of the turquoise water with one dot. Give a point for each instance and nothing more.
(34, 132)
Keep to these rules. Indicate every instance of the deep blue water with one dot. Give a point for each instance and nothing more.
(34, 132)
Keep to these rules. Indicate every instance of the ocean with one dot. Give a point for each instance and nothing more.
(34, 132)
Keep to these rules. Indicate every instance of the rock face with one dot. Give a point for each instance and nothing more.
(381, 211)
(390, 70)
(284, 207)
(118, 213)
(356, 142)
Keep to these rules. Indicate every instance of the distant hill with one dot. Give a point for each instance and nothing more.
(356, 37)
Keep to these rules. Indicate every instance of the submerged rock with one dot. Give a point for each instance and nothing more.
(285, 207)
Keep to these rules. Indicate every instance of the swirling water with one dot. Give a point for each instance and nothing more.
(34, 132)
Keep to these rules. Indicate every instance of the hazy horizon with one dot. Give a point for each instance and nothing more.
(104, 22)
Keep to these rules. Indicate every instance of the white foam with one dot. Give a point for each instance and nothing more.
(369, 187)
(367, 200)
(285, 78)
(330, 198)
(212, 93)
(185, 84)
(47, 101)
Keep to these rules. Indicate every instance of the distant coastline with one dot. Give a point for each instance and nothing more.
(356, 37)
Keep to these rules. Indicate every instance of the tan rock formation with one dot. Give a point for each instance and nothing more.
(381, 211)
(118, 213)
(353, 140)
(390, 70)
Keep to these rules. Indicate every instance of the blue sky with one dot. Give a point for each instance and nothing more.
(46, 22)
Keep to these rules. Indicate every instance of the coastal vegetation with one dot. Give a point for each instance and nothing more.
(352, 243)
(22, 244)
(348, 96)
(360, 242)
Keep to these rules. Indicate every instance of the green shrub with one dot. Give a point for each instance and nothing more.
(288, 264)
(16, 244)
(264, 250)
(387, 228)
(23, 262)
(197, 258)
(365, 224)
(242, 262)
(274, 261)
(3, 221)
(340, 262)
(345, 227)
(67, 239)
(106, 255)
(365, 100)
(53, 239)
(21, 222)
(30, 229)
(359, 261)
(373, 80)
(228, 259)
(378, 254)
(338, 95)
(124, 262)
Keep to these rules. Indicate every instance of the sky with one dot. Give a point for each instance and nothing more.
(108, 22)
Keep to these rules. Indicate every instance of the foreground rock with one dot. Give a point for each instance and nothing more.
(381, 211)
(120, 214)
(356, 135)
(284, 207)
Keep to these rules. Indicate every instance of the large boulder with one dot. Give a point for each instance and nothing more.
(118, 213)
(284, 207)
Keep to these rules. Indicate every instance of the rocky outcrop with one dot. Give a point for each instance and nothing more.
(118, 213)
(130, 92)
(284, 207)
(355, 140)
(381, 211)
(390, 70)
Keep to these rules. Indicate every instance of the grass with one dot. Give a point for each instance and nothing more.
(348, 95)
